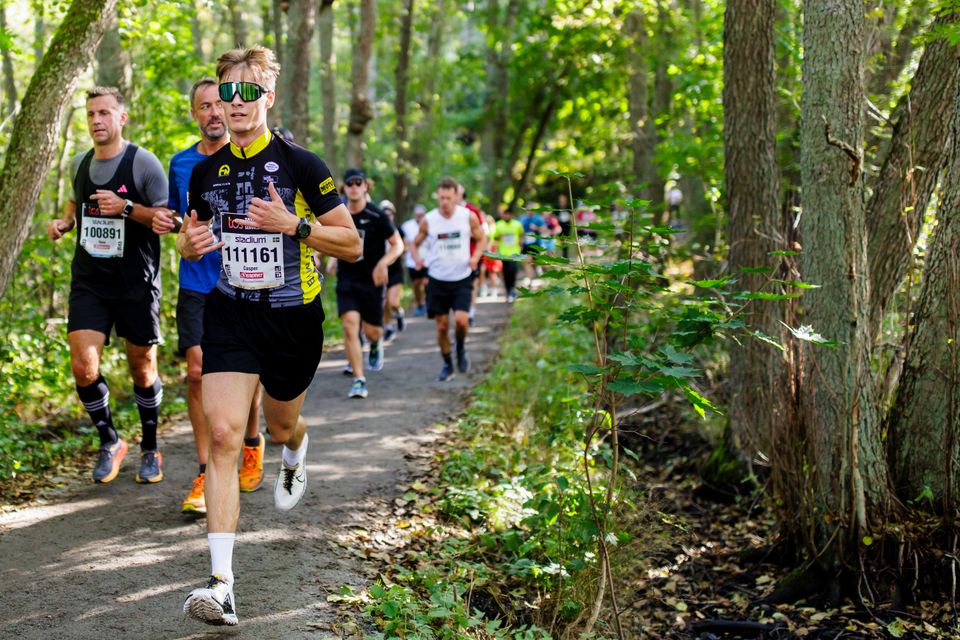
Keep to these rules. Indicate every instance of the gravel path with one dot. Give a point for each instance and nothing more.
(116, 561)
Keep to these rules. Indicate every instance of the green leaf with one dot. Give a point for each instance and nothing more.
(759, 335)
(807, 334)
(585, 369)
(699, 402)
(712, 284)
(676, 356)
(896, 628)
(764, 295)
(783, 253)
(635, 387)
(798, 284)
(678, 372)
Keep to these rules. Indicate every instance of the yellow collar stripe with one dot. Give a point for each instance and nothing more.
(254, 148)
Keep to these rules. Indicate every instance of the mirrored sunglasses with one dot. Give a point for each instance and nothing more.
(249, 91)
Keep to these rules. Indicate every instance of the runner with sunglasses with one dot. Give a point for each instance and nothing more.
(266, 205)
(361, 286)
(197, 280)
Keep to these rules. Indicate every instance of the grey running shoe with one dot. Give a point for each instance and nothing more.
(358, 390)
(376, 356)
(151, 467)
(213, 604)
(108, 461)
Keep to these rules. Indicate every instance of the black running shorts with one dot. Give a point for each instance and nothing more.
(395, 274)
(282, 345)
(189, 319)
(136, 315)
(417, 274)
(442, 296)
(366, 299)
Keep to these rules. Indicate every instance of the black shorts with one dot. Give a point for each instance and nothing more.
(366, 299)
(417, 274)
(395, 274)
(189, 319)
(281, 345)
(442, 296)
(136, 315)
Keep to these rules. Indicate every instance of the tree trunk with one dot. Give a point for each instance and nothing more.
(238, 23)
(754, 224)
(402, 167)
(279, 10)
(925, 420)
(113, 67)
(543, 122)
(39, 32)
(642, 147)
(662, 93)
(196, 32)
(850, 485)
(293, 75)
(910, 169)
(423, 133)
(33, 141)
(328, 84)
(494, 142)
(9, 82)
(361, 111)
(896, 53)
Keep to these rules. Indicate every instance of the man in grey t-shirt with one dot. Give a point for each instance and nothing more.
(118, 188)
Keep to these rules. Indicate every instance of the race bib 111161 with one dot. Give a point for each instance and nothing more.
(252, 258)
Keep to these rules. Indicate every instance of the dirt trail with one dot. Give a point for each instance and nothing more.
(116, 561)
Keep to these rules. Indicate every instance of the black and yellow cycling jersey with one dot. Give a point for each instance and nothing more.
(228, 180)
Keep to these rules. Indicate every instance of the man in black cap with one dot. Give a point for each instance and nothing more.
(361, 285)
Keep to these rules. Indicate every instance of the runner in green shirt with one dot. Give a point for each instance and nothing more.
(507, 234)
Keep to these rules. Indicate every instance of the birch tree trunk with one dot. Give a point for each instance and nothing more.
(9, 81)
(838, 401)
(33, 141)
(641, 146)
(361, 111)
(295, 73)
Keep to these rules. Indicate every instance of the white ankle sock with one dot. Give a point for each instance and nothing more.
(221, 554)
(294, 458)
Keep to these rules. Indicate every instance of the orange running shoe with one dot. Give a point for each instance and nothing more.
(251, 468)
(195, 502)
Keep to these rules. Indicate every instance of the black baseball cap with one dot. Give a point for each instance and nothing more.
(354, 173)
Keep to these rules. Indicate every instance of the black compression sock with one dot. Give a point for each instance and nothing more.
(446, 359)
(203, 469)
(148, 403)
(96, 400)
(252, 442)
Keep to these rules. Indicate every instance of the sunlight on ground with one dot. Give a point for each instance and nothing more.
(36, 515)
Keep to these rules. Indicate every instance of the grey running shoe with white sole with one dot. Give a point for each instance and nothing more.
(213, 604)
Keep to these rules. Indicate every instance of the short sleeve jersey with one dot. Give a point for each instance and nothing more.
(507, 235)
(410, 229)
(226, 181)
(200, 276)
(375, 228)
(134, 174)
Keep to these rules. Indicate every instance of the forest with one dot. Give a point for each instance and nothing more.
(767, 321)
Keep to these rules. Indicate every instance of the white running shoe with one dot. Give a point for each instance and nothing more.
(213, 604)
(292, 482)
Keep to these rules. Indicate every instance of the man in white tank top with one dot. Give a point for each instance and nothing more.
(450, 270)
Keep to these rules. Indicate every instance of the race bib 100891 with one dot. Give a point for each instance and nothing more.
(252, 258)
(101, 236)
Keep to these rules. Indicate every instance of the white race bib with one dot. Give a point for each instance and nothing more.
(101, 236)
(450, 246)
(508, 239)
(252, 259)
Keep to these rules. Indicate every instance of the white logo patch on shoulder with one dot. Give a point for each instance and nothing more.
(271, 166)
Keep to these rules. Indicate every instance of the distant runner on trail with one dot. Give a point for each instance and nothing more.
(507, 233)
(449, 229)
(362, 285)
(197, 280)
(266, 205)
(394, 318)
(418, 277)
(118, 188)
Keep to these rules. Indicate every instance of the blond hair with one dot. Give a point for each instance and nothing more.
(99, 92)
(261, 62)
